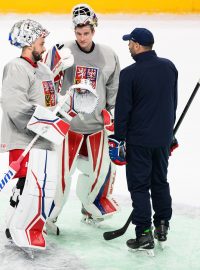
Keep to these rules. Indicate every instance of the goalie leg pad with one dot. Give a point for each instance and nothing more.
(67, 164)
(27, 224)
(95, 184)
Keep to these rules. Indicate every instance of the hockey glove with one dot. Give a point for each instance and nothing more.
(82, 98)
(59, 58)
(174, 144)
(117, 150)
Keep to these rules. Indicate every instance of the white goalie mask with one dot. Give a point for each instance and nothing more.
(25, 32)
(83, 14)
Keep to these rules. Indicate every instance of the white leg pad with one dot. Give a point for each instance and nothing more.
(95, 184)
(67, 164)
(27, 224)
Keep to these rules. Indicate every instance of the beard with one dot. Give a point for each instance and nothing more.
(36, 56)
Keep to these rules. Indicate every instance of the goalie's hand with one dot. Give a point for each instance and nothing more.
(117, 150)
(59, 58)
(174, 144)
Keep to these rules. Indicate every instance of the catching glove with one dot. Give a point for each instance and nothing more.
(117, 150)
(59, 58)
(174, 144)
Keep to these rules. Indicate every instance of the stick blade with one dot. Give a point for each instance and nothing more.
(112, 234)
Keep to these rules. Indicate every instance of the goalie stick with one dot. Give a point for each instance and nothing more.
(117, 233)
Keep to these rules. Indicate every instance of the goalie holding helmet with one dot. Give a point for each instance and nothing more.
(88, 136)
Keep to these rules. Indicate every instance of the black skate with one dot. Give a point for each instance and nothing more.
(160, 233)
(143, 242)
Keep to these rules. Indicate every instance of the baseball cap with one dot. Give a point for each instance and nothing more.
(141, 35)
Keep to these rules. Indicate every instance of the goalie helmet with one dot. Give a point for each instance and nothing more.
(83, 14)
(25, 32)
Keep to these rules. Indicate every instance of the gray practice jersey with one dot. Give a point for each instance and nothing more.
(23, 87)
(102, 67)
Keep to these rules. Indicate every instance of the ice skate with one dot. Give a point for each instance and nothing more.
(160, 234)
(51, 227)
(88, 219)
(144, 242)
(11, 245)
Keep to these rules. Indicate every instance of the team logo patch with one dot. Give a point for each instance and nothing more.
(90, 73)
(49, 92)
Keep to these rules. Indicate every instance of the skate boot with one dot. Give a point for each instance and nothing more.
(143, 242)
(88, 219)
(160, 233)
(51, 227)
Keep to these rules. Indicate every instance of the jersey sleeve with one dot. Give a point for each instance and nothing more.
(15, 102)
(112, 85)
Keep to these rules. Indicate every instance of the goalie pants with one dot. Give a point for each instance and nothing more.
(146, 172)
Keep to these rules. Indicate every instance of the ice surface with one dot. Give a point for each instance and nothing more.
(83, 247)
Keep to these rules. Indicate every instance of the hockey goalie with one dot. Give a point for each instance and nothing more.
(31, 105)
(86, 144)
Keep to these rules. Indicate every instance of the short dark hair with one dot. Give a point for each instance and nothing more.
(85, 24)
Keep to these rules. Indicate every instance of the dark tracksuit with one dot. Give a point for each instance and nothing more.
(145, 114)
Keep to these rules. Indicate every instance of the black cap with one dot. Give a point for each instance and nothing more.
(141, 35)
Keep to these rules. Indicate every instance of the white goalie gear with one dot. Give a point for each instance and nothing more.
(25, 32)
(28, 220)
(67, 154)
(82, 99)
(83, 14)
(95, 183)
(49, 126)
(59, 58)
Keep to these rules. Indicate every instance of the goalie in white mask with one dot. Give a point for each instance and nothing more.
(88, 136)
(28, 86)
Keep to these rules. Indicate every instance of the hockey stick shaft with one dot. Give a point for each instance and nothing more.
(117, 233)
(186, 107)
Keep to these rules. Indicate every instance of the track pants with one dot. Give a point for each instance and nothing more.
(146, 173)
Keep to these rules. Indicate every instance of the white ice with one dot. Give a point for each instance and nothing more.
(80, 246)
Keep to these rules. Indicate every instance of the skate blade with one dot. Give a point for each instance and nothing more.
(29, 252)
(90, 221)
(161, 244)
(150, 252)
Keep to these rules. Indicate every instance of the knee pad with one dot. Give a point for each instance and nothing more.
(27, 223)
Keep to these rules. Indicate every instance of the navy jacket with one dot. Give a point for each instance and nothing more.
(145, 109)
